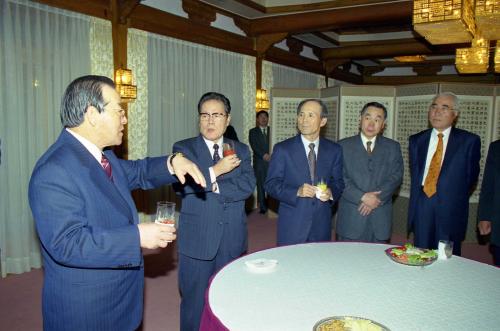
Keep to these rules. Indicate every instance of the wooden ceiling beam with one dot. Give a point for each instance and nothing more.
(97, 8)
(377, 14)
(375, 50)
(156, 21)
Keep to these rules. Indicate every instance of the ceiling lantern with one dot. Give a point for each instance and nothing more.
(488, 18)
(444, 21)
(475, 59)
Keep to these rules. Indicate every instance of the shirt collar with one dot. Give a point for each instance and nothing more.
(93, 149)
(364, 139)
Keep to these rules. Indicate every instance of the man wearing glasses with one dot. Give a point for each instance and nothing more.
(212, 225)
(444, 166)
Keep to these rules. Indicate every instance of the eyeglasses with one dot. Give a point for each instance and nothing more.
(215, 116)
(435, 107)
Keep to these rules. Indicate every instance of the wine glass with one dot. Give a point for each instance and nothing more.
(165, 213)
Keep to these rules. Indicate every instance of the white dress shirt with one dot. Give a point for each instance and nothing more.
(210, 145)
(365, 140)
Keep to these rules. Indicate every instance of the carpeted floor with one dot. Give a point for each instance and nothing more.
(20, 294)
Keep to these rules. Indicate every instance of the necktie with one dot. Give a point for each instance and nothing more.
(106, 166)
(430, 183)
(369, 147)
(311, 158)
(216, 156)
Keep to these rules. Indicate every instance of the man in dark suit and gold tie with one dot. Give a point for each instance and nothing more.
(373, 170)
(86, 219)
(259, 141)
(444, 166)
(212, 223)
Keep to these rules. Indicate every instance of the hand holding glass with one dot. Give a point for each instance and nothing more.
(165, 213)
(228, 149)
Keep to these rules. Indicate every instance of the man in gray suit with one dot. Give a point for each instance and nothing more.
(373, 170)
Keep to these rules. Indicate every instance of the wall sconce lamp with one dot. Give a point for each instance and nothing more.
(124, 86)
(261, 100)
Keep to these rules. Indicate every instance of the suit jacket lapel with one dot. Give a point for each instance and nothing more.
(119, 184)
(423, 147)
(302, 162)
(203, 154)
(451, 149)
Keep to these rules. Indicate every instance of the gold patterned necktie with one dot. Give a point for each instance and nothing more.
(311, 158)
(369, 147)
(430, 184)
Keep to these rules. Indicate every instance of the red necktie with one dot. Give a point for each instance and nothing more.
(106, 166)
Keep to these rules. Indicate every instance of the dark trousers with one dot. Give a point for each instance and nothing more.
(427, 228)
(260, 169)
(496, 254)
(194, 275)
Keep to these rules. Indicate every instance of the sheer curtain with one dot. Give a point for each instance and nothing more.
(179, 73)
(41, 50)
(286, 77)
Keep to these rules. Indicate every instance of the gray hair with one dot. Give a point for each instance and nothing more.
(456, 101)
(80, 94)
(324, 109)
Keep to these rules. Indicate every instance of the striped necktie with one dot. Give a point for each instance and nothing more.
(216, 155)
(311, 158)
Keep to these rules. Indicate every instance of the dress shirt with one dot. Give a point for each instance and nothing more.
(263, 129)
(93, 149)
(365, 140)
(432, 149)
(210, 145)
(306, 145)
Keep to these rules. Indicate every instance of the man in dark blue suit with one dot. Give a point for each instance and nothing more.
(85, 216)
(212, 223)
(489, 200)
(297, 165)
(444, 166)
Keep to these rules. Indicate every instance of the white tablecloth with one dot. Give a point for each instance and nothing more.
(315, 281)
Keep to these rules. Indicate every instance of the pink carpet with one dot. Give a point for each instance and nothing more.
(20, 295)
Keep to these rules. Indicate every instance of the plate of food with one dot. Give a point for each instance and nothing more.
(348, 323)
(411, 255)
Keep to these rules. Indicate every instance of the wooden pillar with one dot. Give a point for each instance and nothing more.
(119, 32)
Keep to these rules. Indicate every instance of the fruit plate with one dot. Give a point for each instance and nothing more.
(411, 255)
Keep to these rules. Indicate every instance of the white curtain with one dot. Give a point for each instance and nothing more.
(286, 77)
(179, 73)
(41, 50)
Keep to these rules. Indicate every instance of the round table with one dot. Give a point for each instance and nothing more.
(318, 280)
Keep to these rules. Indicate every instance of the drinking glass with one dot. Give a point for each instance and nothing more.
(320, 187)
(228, 149)
(165, 213)
(445, 249)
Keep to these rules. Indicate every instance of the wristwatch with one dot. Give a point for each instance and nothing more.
(174, 155)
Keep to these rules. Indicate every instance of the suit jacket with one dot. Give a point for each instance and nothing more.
(204, 212)
(260, 146)
(259, 143)
(489, 199)
(87, 226)
(288, 170)
(459, 172)
(380, 171)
